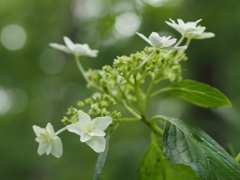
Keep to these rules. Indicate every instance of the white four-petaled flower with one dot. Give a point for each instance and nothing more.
(75, 49)
(190, 29)
(48, 141)
(161, 41)
(91, 131)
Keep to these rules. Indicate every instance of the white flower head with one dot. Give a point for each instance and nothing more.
(48, 141)
(161, 41)
(91, 131)
(75, 49)
(190, 29)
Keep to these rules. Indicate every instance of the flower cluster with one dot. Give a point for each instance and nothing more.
(119, 83)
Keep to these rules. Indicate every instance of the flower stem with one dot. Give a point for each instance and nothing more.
(180, 41)
(81, 69)
(145, 60)
(61, 130)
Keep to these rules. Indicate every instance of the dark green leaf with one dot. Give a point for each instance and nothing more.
(185, 144)
(198, 93)
(154, 166)
(101, 161)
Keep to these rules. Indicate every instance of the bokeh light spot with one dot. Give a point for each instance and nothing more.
(127, 24)
(52, 62)
(5, 101)
(13, 37)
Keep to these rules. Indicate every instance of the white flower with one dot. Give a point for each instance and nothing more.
(161, 42)
(75, 49)
(91, 132)
(48, 141)
(190, 29)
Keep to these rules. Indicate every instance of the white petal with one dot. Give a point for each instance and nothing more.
(101, 123)
(198, 21)
(203, 36)
(170, 42)
(84, 117)
(98, 144)
(144, 38)
(85, 137)
(60, 47)
(38, 130)
(69, 43)
(50, 130)
(176, 48)
(42, 148)
(155, 39)
(57, 148)
(74, 128)
(81, 49)
(97, 132)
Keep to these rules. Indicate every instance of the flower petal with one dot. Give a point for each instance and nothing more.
(98, 144)
(168, 42)
(75, 128)
(144, 38)
(176, 48)
(85, 137)
(60, 47)
(50, 130)
(42, 148)
(203, 36)
(83, 117)
(69, 43)
(38, 130)
(155, 39)
(101, 123)
(57, 148)
(97, 132)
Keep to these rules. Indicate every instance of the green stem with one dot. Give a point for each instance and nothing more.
(238, 158)
(146, 59)
(180, 41)
(158, 117)
(131, 110)
(127, 120)
(148, 93)
(61, 130)
(81, 69)
(159, 91)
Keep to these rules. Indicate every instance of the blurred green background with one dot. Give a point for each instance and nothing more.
(38, 84)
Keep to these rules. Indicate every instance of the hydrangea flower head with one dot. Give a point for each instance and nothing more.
(190, 29)
(91, 131)
(75, 49)
(161, 41)
(48, 141)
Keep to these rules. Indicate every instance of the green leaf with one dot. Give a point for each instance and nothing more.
(198, 93)
(101, 161)
(154, 166)
(186, 144)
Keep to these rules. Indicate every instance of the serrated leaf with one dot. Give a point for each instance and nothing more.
(154, 166)
(101, 161)
(198, 93)
(186, 144)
